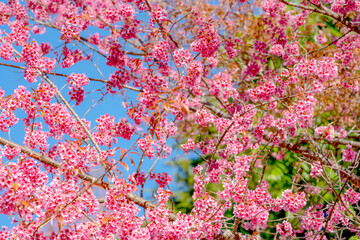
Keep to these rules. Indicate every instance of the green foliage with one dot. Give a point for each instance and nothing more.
(333, 29)
(184, 190)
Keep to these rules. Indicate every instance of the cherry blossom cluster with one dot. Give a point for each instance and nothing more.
(70, 57)
(193, 77)
(162, 179)
(108, 131)
(35, 137)
(285, 230)
(31, 55)
(276, 50)
(182, 57)
(208, 41)
(118, 79)
(158, 14)
(262, 92)
(230, 47)
(351, 196)
(11, 153)
(293, 202)
(59, 120)
(313, 219)
(77, 92)
(327, 132)
(18, 183)
(242, 90)
(138, 178)
(349, 155)
(190, 145)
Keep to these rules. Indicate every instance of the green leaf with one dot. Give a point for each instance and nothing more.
(354, 238)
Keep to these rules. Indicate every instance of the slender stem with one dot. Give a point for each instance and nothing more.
(66, 75)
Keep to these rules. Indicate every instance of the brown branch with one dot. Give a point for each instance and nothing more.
(336, 40)
(325, 11)
(304, 7)
(65, 75)
(332, 209)
(51, 162)
(342, 141)
(83, 40)
(162, 28)
(314, 157)
(84, 176)
(226, 235)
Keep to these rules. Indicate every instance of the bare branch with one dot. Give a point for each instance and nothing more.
(314, 157)
(65, 75)
(325, 11)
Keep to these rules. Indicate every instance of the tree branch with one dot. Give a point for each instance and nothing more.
(65, 75)
(314, 157)
(226, 235)
(342, 141)
(325, 11)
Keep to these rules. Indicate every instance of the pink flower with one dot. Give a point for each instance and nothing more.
(285, 229)
(190, 145)
(293, 202)
(326, 132)
(163, 179)
(78, 80)
(277, 50)
(349, 155)
(208, 41)
(351, 196)
(316, 170)
(11, 153)
(182, 57)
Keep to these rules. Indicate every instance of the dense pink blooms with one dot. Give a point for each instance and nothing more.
(11, 153)
(251, 94)
(351, 196)
(285, 229)
(327, 132)
(265, 91)
(160, 52)
(208, 41)
(349, 155)
(182, 57)
(293, 202)
(190, 145)
(277, 50)
(78, 80)
(313, 219)
(163, 179)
